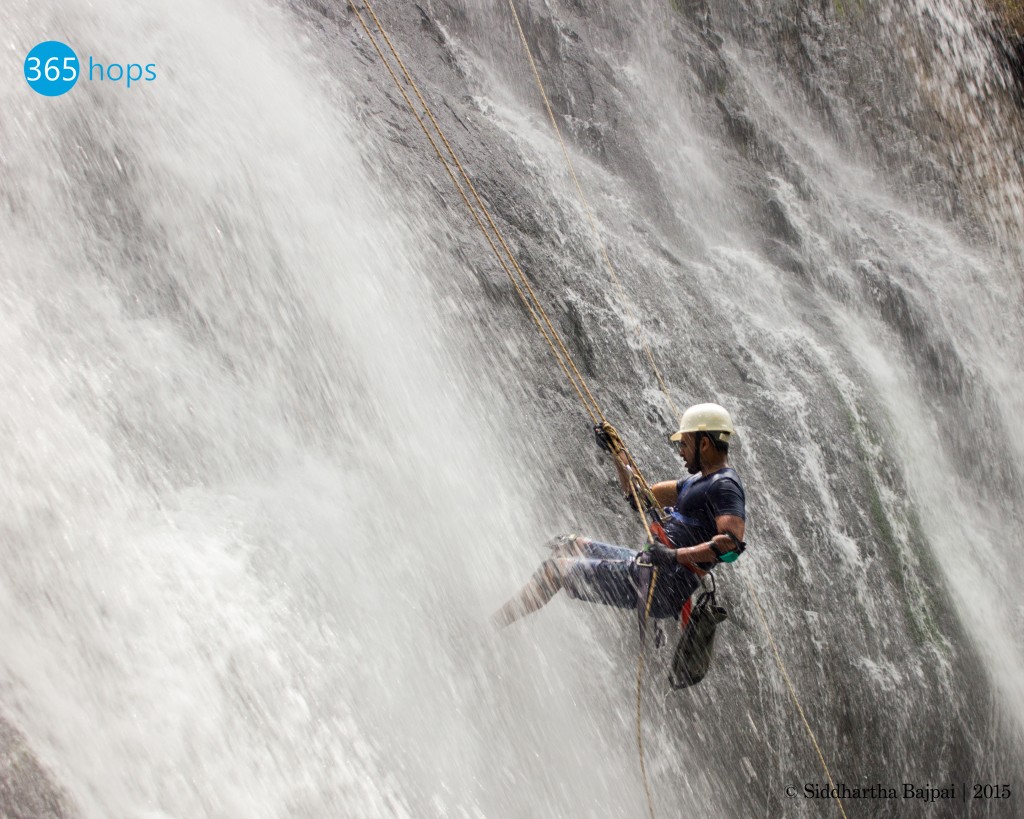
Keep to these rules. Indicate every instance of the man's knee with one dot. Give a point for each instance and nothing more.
(552, 572)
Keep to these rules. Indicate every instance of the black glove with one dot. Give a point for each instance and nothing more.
(661, 556)
(604, 440)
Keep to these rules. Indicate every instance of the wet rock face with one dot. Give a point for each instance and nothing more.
(27, 790)
(1010, 14)
(1010, 43)
(1008, 37)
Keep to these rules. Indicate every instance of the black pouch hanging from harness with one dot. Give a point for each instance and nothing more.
(696, 646)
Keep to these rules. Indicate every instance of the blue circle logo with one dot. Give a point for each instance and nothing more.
(51, 68)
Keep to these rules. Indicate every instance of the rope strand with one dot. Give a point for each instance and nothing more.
(664, 388)
(589, 211)
(530, 305)
(487, 215)
(544, 325)
(792, 694)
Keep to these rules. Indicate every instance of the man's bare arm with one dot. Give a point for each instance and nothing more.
(665, 493)
(703, 553)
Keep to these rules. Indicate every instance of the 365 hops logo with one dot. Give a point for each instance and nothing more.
(52, 68)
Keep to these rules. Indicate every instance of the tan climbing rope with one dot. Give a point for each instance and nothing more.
(661, 382)
(624, 301)
(482, 217)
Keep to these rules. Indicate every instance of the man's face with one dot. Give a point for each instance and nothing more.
(688, 453)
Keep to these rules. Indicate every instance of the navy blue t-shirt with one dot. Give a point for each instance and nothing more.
(700, 499)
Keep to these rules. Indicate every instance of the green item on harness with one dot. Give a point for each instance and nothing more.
(696, 646)
(729, 557)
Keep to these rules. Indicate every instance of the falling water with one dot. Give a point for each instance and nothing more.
(277, 436)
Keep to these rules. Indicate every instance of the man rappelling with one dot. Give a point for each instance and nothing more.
(703, 519)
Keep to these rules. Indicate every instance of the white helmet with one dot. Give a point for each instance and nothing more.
(705, 418)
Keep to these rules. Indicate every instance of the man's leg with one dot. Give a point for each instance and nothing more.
(544, 585)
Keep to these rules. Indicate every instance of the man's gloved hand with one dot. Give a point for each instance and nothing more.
(661, 556)
(602, 437)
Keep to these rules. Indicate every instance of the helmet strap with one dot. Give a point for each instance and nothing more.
(696, 450)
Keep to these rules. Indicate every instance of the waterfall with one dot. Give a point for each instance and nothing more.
(278, 435)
